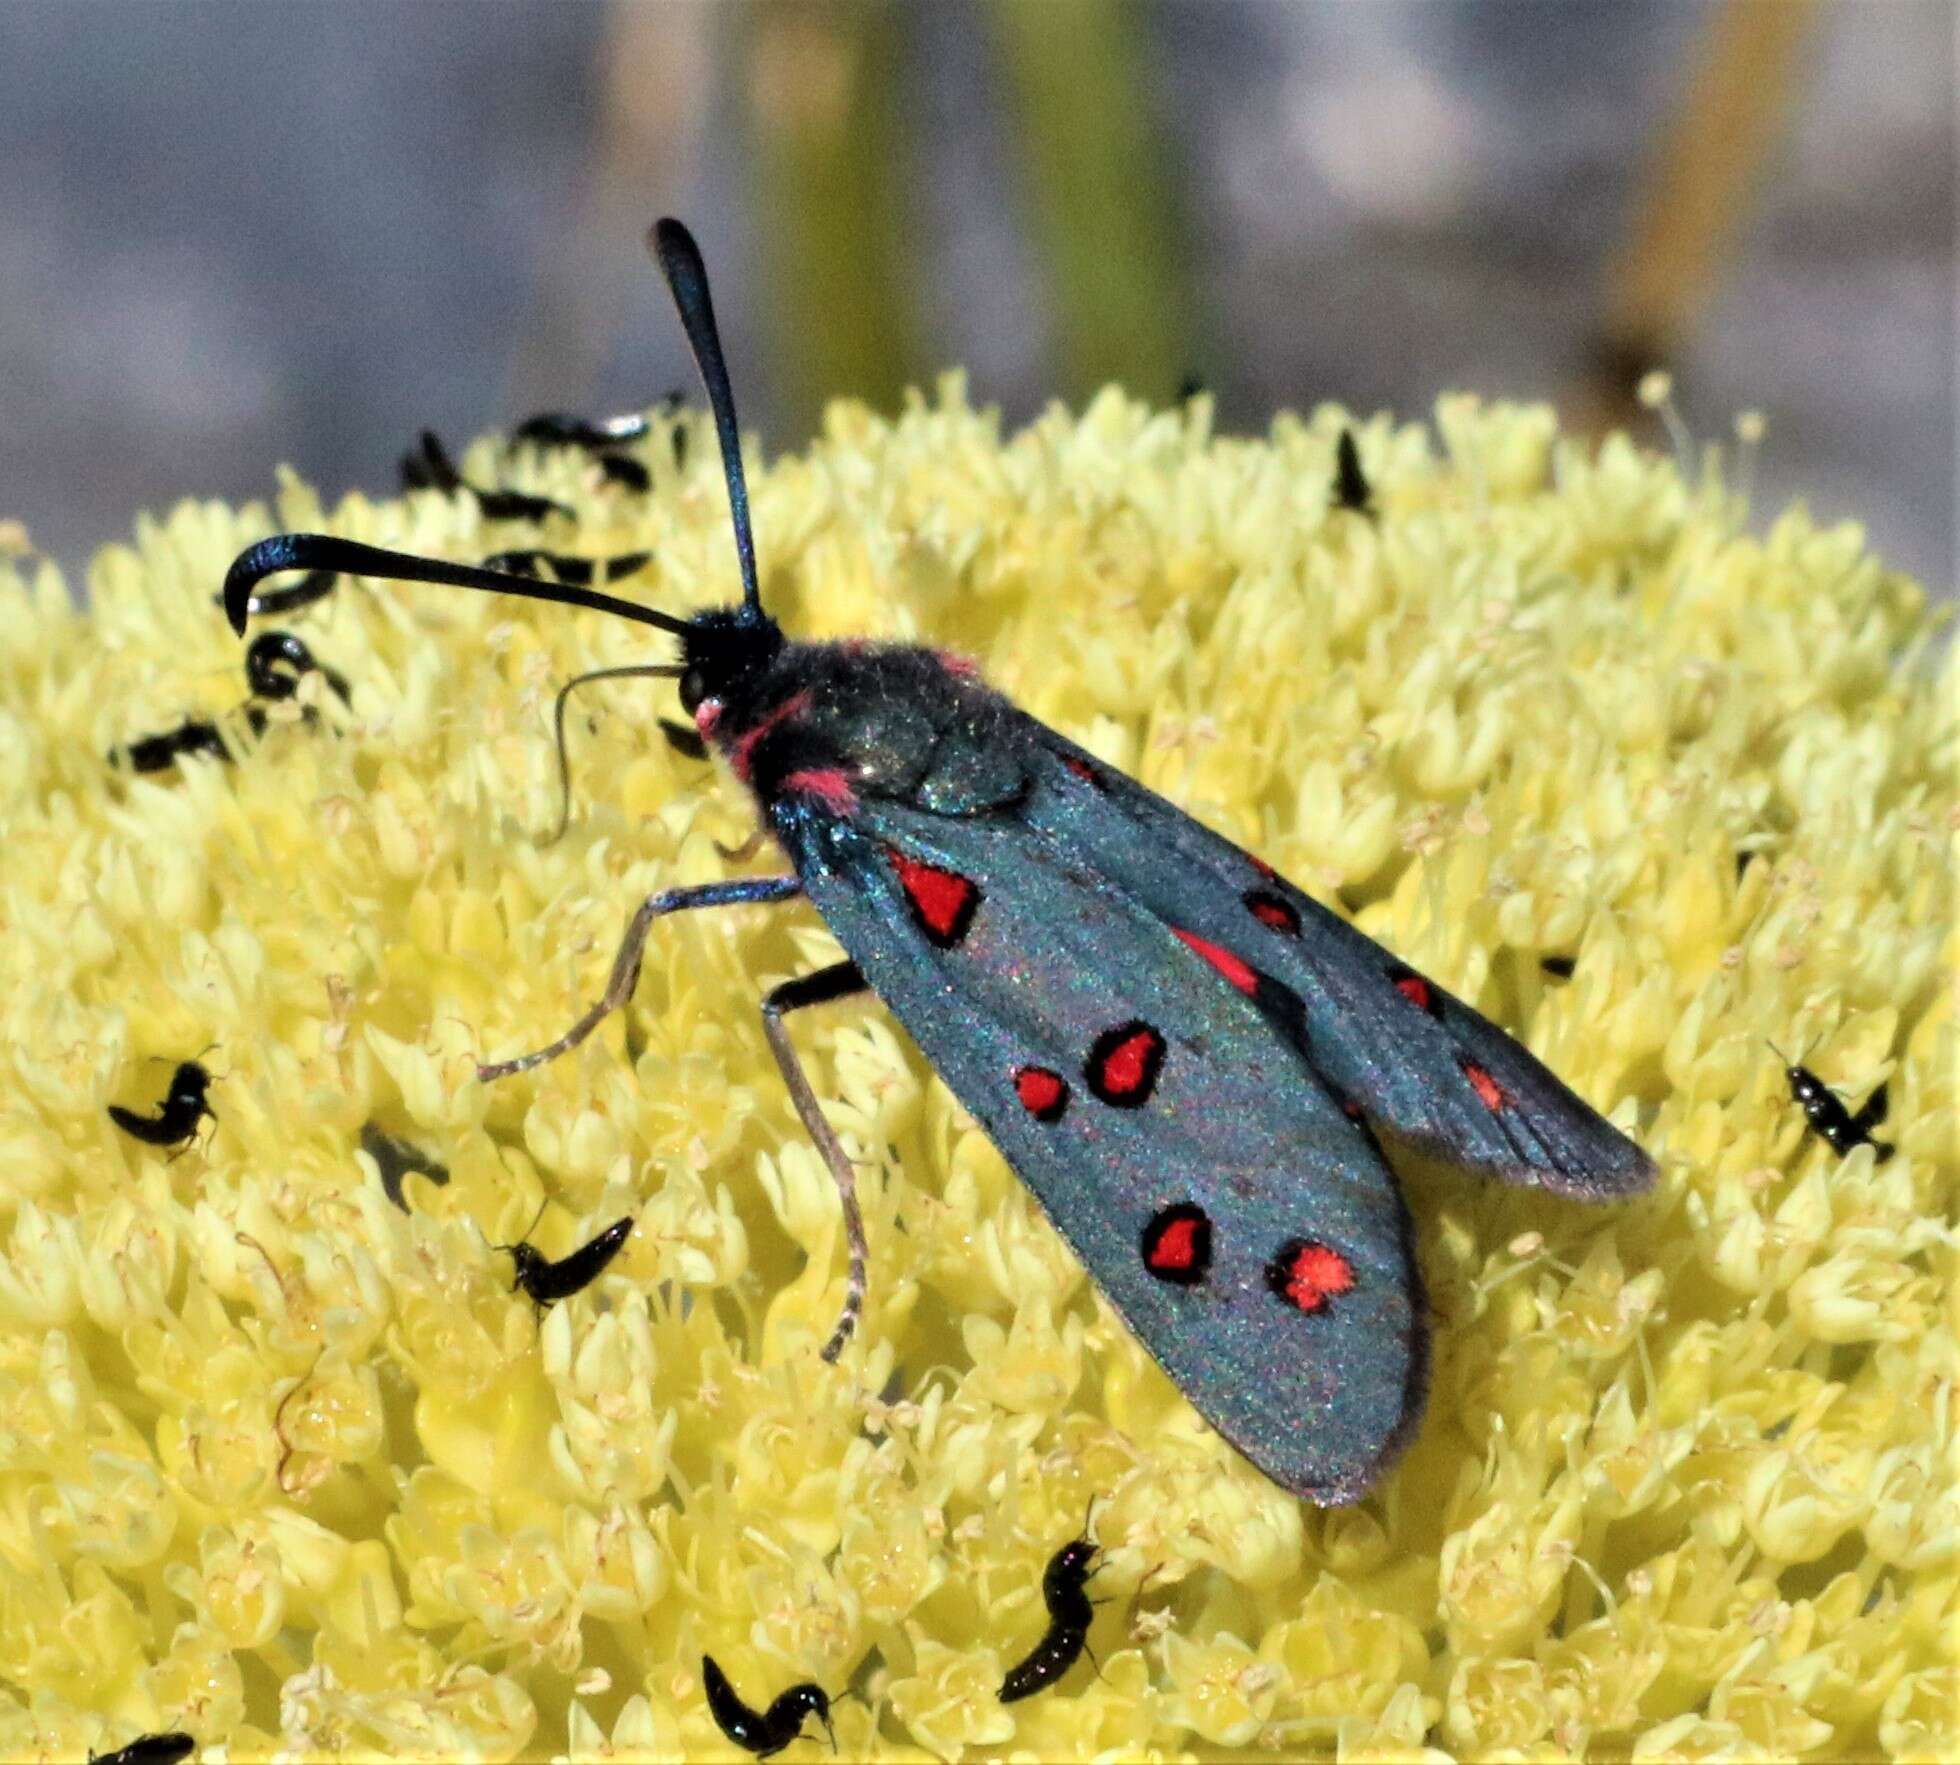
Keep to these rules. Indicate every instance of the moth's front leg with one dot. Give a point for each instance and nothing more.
(632, 947)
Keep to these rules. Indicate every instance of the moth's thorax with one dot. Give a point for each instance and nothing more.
(832, 723)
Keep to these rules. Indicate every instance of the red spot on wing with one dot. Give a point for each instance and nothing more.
(1493, 1094)
(1416, 990)
(1123, 1064)
(1221, 959)
(830, 785)
(1307, 1275)
(1260, 865)
(743, 753)
(942, 900)
(1177, 1244)
(1273, 910)
(1083, 770)
(963, 666)
(1043, 1094)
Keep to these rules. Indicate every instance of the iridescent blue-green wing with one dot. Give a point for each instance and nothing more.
(1426, 1069)
(1243, 1224)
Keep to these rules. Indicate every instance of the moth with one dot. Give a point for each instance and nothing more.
(1196, 1067)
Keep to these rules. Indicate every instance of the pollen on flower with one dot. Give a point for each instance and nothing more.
(295, 1471)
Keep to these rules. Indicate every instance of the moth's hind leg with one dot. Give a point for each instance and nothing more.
(839, 981)
(632, 947)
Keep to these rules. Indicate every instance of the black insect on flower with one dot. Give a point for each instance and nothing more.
(558, 429)
(545, 1282)
(428, 466)
(149, 1749)
(396, 1159)
(274, 662)
(569, 566)
(1064, 1585)
(184, 1105)
(1351, 488)
(158, 752)
(763, 1732)
(624, 470)
(1186, 1057)
(1826, 1115)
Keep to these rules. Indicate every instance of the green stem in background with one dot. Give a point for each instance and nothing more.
(821, 87)
(1101, 208)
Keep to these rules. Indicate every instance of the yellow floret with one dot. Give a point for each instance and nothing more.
(292, 1468)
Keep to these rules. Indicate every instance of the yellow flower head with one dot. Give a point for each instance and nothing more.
(290, 1467)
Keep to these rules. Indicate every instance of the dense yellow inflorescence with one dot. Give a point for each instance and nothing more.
(291, 1468)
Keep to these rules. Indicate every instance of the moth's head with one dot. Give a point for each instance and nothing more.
(724, 651)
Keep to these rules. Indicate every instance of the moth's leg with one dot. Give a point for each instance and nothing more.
(626, 965)
(746, 850)
(644, 671)
(683, 740)
(839, 981)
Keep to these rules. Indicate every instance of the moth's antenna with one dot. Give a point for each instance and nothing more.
(680, 262)
(320, 551)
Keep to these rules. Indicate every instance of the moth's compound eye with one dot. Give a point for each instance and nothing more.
(693, 690)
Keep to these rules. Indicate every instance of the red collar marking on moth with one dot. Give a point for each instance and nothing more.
(1223, 960)
(830, 785)
(743, 752)
(706, 715)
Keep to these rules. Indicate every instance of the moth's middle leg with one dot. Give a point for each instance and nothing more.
(839, 981)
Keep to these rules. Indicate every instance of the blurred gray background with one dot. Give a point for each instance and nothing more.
(236, 234)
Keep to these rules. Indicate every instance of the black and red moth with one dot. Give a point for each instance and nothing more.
(1192, 1064)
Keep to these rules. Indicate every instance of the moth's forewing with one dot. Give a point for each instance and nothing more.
(1317, 1388)
(1426, 1068)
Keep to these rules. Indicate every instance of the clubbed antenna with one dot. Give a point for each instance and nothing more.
(320, 551)
(680, 262)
